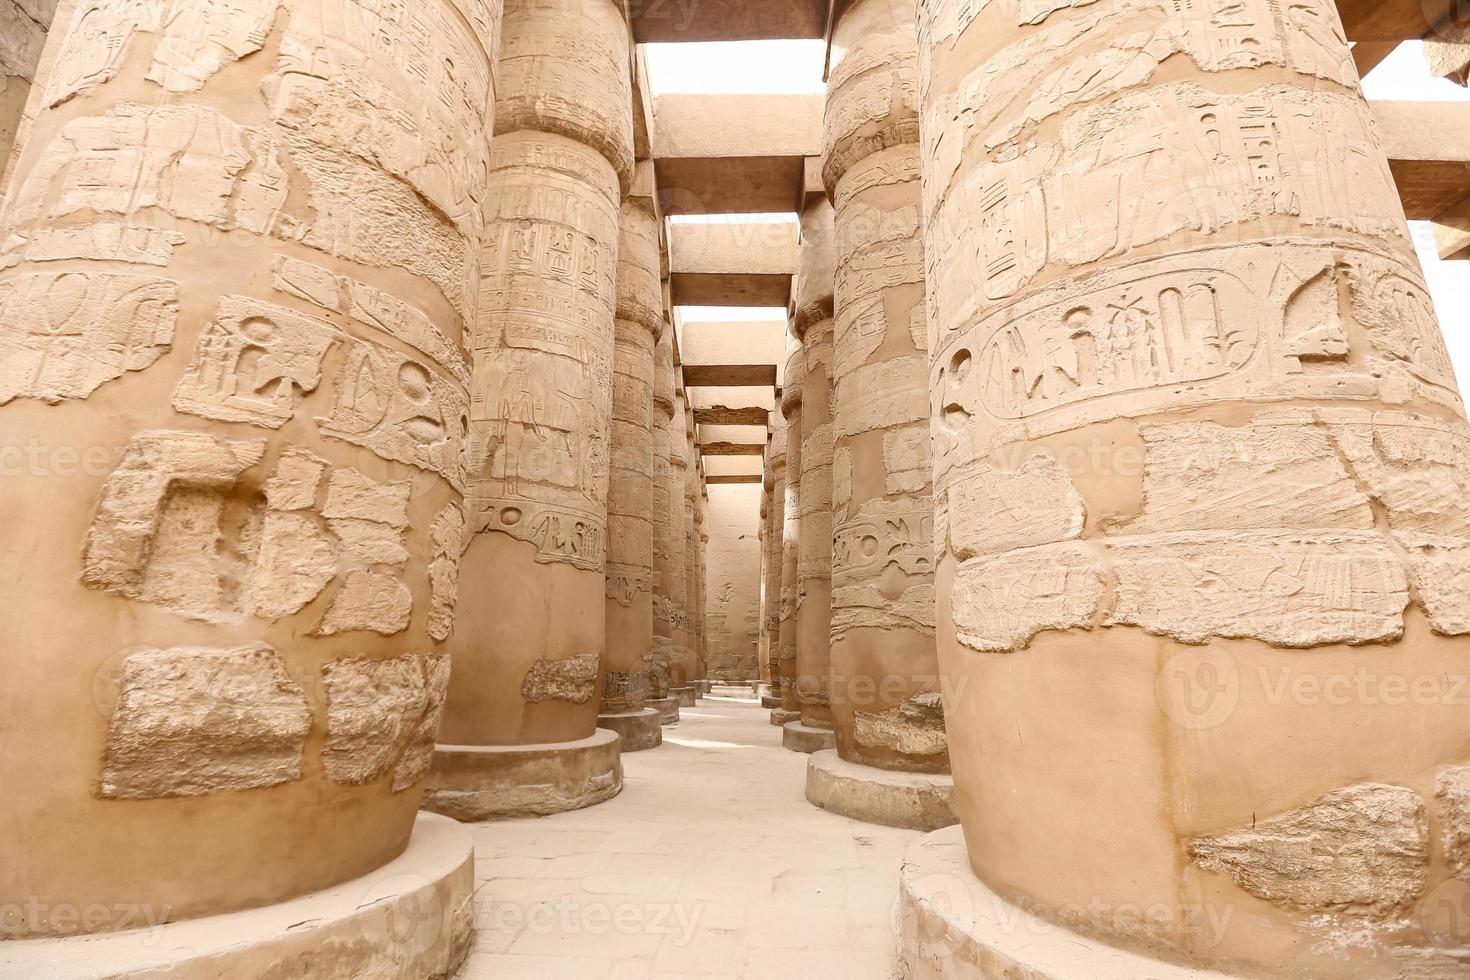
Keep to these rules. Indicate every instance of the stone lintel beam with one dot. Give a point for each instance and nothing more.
(729, 289)
(1428, 145)
(660, 21)
(722, 415)
(1392, 21)
(729, 375)
(728, 126)
(732, 449)
(729, 185)
(717, 481)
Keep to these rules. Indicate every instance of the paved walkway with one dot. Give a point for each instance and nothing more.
(710, 863)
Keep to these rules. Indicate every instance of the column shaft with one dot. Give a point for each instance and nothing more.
(885, 688)
(664, 615)
(1200, 457)
(775, 549)
(530, 669)
(629, 591)
(813, 323)
(791, 396)
(240, 246)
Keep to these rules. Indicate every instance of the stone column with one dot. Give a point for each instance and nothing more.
(1200, 477)
(790, 411)
(776, 554)
(664, 616)
(23, 27)
(520, 730)
(678, 451)
(691, 557)
(629, 599)
(885, 673)
(813, 325)
(232, 339)
(763, 647)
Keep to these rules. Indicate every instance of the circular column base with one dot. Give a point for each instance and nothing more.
(911, 800)
(636, 730)
(781, 716)
(667, 708)
(800, 738)
(953, 927)
(492, 782)
(688, 696)
(413, 917)
(770, 701)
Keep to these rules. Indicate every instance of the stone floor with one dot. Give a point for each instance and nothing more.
(709, 864)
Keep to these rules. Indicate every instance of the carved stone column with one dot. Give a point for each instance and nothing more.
(776, 452)
(232, 347)
(637, 326)
(678, 450)
(885, 673)
(790, 411)
(664, 615)
(763, 647)
(23, 27)
(520, 731)
(691, 564)
(812, 324)
(1201, 478)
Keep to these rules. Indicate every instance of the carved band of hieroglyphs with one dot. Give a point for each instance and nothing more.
(1293, 320)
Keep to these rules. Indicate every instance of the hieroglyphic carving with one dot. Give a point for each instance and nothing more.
(407, 86)
(571, 679)
(400, 409)
(1106, 187)
(1281, 470)
(1362, 850)
(381, 715)
(194, 721)
(293, 562)
(117, 186)
(1289, 590)
(880, 396)
(418, 756)
(251, 361)
(1292, 320)
(883, 567)
(372, 706)
(1000, 603)
(872, 100)
(195, 40)
(67, 334)
(370, 601)
(297, 480)
(1452, 791)
(915, 727)
(542, 390)
(447, 534)
(373, 307)
(993, 510)
(1062, 68)
(157, 527)
(908, 462)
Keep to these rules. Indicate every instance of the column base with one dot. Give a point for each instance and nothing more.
(801, 738)
(636, 730)
(413, 917)
(770, 701)
(493, 782)
(781, 716)
(953, 927)
(911, 800)
(667, 708)
(688, 696)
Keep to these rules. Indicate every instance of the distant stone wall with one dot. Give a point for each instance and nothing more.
(733, 610)
(23, 26)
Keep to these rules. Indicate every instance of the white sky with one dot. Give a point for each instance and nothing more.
(796, 67)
